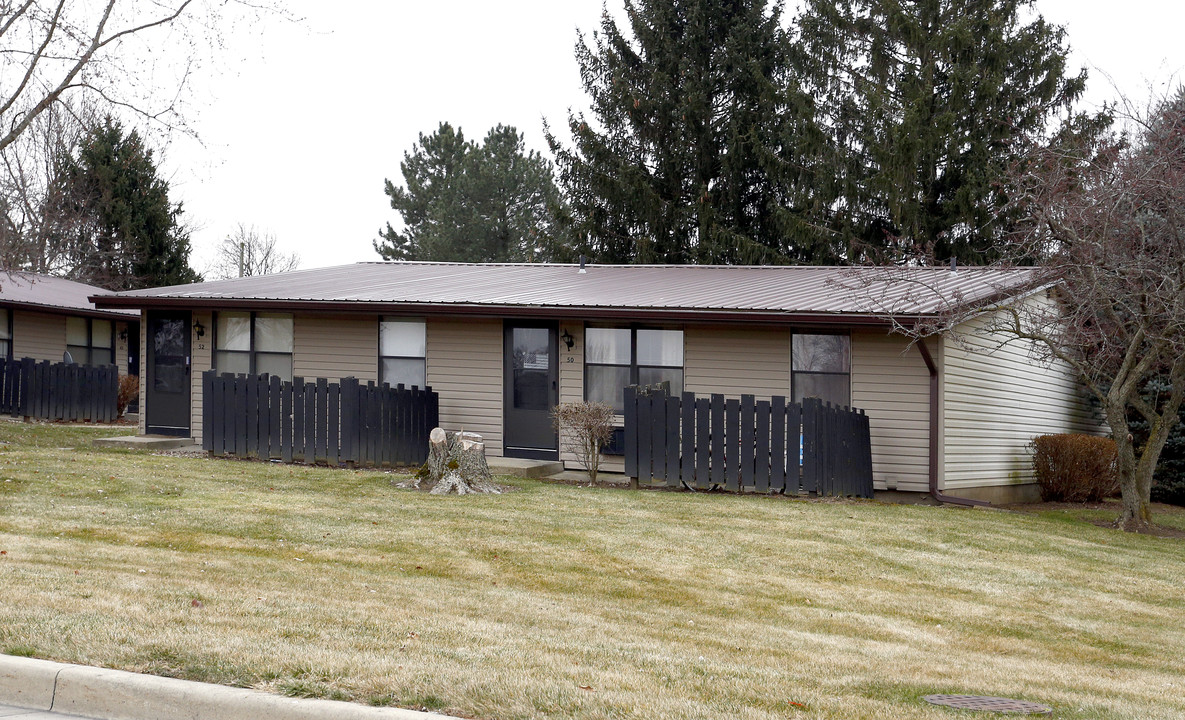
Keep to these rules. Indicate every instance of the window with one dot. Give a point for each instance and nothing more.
(402, 348)
(616, 357)
(253, 343)
(821, 367)
(90, 341)
(5, 334)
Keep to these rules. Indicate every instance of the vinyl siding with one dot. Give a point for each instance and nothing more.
(997, 396)
(121, 347)
(465, 368)
(201, 355)
(41, 336)
(331, 347)
(891, 384)
(734, 361)
(335, 347)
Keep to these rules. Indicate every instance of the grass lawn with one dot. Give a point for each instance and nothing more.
(564, 602)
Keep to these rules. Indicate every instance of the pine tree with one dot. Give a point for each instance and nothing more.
(113, 217)
(430, 204)
(464, 202)
(924, 103)
(699, 145)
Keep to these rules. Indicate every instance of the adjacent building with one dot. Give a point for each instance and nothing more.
(45, 317)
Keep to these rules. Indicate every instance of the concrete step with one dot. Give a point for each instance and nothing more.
(581, 477)
(523, 467)
(144, 442)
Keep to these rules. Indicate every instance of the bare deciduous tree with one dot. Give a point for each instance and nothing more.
(1108, 223)
(584, 428)
(1104, 223)
(32, 203)
(63, 63)
(134, 55)
(248, 253)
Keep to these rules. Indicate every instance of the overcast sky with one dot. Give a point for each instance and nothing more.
(307, 119)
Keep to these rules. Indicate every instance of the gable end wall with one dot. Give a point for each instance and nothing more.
(997, 396)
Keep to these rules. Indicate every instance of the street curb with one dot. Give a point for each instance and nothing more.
(119, 695)
(28, 683)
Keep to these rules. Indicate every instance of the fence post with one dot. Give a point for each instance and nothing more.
(658, 436)
(748, 441)
(333, 428)
(274, 401)
(761, 457)
(703, 443)
(251, 388)
(687, 428)
(208, 410)
(349, 426)
(630, 411)
(374, 423)
(865, 455)
(287, 420)
(672, 440)
(777, 444)
(732, 440)
(645, 437)
(310, 422)
(810, 451)
(718, 438)
(321, 421)
(113, 403)
(433, 418)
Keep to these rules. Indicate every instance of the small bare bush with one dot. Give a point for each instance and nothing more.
(129, 390)
(584, 428)
(1075, 468)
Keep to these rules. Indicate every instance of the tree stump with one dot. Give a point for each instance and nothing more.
(457, 464)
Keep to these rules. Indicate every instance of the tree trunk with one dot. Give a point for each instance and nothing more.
(457, 464)
(1136, 505)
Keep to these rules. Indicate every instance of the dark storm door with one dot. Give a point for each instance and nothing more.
(167, 384)
(531, 390)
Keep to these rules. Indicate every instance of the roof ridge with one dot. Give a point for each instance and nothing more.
(688, 266)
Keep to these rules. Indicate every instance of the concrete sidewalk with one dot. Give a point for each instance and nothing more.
(12, 712)
(39, 690)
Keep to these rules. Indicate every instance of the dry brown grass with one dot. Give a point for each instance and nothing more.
(560, 601)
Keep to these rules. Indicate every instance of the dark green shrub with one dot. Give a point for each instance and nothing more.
(1168, 481)
(1075, 468)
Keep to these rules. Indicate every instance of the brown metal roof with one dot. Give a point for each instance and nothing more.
(799, 293)
(54, 294)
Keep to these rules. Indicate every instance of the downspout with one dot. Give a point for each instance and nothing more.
(934, 399)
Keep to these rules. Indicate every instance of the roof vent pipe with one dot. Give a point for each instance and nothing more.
(954, 265)
(582, 261)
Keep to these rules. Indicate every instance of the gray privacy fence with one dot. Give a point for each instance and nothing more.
(58, 391)
(347, 422)
(746, 444)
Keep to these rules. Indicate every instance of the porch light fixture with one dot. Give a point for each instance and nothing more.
(568, 339)
(123, 334)
(198, 328)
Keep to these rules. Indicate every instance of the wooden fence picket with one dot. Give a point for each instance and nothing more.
(58, 391)
(747, 444)
(316, 420)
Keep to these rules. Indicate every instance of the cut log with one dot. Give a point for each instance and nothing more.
(457, 464)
